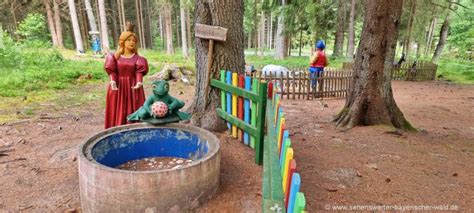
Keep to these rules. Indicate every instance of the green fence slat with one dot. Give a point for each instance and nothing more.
(237, 122)
(236, 90)
(262, 107)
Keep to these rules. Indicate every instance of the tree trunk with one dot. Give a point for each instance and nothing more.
(443, 36)
(429, 40)
(188, 28)
(177, 27)
(75, 26)
(350, 41)
(83, 23)
(162, 33)
(103, 27)
(119, 14)
(169, 32)
(15, 22)
(115, 17)
(139, 25)
(51, 26)
(142, 24)
(289, 44)
(301, 41)
(249, 40)
(370, 100)
(270, 33)
(281, 46)
(57, 21)
(184, 43)
(255, 27)
(262, 34)
(339, 37)
(90, 16)
(410, 29)
(228, 55)
(149, 31)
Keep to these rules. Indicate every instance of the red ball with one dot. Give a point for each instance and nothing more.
(159, 109)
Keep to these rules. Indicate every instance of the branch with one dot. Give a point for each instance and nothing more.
(457, 3)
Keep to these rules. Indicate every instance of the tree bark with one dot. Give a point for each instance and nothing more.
(90, 16)
(177, 27)
(161, 22)
(169, 31)
(139, 24)
(262, 34)
(339, 37)
(270, 33)
(115, 28)
(58, 25)
(429, 40)
(149, 26)
(370, 100)
(410, 29)
(301, 41)
(51, 25)
(188, 28)
(281, 45)
(443, 36)
(103, 27)
(75, 26)
(255, 27)
(351, 34)
(228, 55)
(184, 43)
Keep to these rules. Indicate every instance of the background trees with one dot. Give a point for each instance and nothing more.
(271, 27)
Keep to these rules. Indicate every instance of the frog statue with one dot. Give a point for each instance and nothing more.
(160, 93)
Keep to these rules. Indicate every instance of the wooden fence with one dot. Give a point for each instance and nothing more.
(245, 121)
(408, 70)
(334, 83)
(297, 84)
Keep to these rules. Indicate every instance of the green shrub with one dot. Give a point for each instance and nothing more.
(33, 31)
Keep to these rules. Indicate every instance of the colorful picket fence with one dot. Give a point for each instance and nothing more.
(243, 105)
(281, 183)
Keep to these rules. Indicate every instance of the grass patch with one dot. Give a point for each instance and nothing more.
(456, 70)
(45, 70)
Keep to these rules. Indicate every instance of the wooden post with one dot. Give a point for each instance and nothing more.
(210, 33)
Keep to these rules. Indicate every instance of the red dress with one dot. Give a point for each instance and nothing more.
(126, 72)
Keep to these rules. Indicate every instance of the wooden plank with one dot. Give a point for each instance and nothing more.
(253, 119)
(295, 188)
(248, 84)
(308, 86)
(210, 32)
(237, 122)
(240, 107)
(238, 91)
(235, 82)
(293, 79)
(282, 84)
(262, 92)
(299, 84)
(288, 85)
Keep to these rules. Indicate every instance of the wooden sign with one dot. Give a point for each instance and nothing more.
(210, 32)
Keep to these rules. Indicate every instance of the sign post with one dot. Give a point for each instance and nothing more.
(211, 33)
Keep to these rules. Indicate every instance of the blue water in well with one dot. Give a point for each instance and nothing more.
(121, 147)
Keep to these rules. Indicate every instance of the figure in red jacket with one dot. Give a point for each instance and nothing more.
(126, 69)
(317, 63)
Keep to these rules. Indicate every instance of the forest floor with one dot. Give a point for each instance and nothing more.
(363, 166)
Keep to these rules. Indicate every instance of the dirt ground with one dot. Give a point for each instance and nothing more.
(373, 166)
(363, 166)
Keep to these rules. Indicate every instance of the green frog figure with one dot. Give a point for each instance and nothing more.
(160, 93)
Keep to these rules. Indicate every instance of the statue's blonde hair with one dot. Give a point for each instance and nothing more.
(123, 37)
